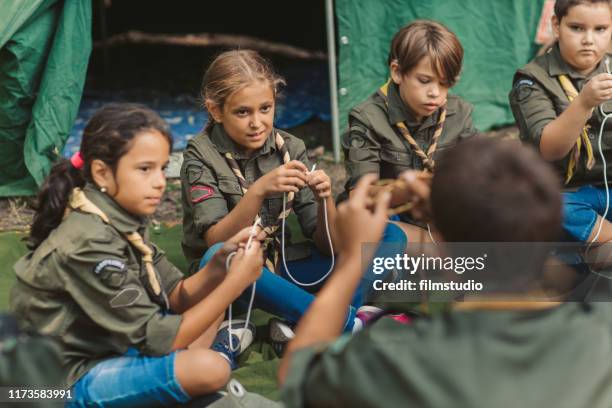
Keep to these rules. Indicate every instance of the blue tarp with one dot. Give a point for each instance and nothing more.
(306, 96)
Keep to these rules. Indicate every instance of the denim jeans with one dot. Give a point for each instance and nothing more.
(279, 295)
(580, 210)
(131, 380)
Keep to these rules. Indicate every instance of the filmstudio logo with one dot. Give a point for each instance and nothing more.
(412, 264)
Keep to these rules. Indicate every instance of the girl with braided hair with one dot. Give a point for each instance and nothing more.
(242, 168)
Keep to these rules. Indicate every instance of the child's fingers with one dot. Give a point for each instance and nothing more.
(317, 173)
(293, 181)
(288, 188)
(295, 173)
(227, 249)
(360, 192)
(253, 248)
(318, 179)
(417, 185)
(241, 235)
(382, 205)
(298, 165)
(324, 186)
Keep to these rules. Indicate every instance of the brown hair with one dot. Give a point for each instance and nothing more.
(491, 190)
(426, 38)
(562, 7)
(107, 137)
(232, 71)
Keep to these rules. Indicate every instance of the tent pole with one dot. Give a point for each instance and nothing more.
(333, 79)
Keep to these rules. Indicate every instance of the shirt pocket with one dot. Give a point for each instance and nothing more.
(231, 191)
(394, 161)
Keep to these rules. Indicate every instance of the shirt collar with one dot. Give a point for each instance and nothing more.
(225, 144)
(123, 221)
(399, 112)
(557, 65)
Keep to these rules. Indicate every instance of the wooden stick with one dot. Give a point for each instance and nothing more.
(211, 40)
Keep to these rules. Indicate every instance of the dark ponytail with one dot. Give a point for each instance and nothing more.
(106, 137)
(52, 200)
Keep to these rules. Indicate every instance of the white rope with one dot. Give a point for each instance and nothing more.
(253, 288)
(248, 245)
(605, 175)
(329, 240)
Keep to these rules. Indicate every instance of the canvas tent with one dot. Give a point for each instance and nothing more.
(45, 47)
(44, 50)
(497, 36)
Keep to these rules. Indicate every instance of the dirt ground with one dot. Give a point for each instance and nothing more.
(16, 213)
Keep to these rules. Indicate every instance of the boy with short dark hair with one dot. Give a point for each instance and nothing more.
(556, 101)
(478, 354)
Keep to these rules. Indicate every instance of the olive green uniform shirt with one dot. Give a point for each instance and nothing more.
(561, 357)
(210, 189)
(537, 99)
(373, 144)
(84, 287)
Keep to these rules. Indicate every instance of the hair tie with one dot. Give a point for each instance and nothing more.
(77, 161)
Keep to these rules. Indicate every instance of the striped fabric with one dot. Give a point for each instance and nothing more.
(272, 242)
(78, 201)
(572, 93)
(426, 158)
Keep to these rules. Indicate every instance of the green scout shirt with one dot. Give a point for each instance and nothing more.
(537, 99)
(373, 144)
(561, 357)
(84, 286)
(210, 190)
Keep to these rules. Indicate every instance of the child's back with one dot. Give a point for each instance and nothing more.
(481, 352)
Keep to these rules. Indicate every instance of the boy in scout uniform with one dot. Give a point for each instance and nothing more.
(411, 118)
(559, 101)
(466, 356)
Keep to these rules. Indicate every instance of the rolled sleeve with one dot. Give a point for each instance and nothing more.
(170, 274)
(532, 108)
(161, 332)
(107, 288)
(361, 150)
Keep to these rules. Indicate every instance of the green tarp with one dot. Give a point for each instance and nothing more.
(44, 51)
(497, 36)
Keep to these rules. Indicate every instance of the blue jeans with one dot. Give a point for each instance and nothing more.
(279, 295)
(580, 210)
(132, 380)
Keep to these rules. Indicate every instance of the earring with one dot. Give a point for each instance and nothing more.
(103, 189)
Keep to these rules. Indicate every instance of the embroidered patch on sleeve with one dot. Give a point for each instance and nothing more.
(112, 263)
(523, 81)
(200, 193)
(523, 89)
(112, 272)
